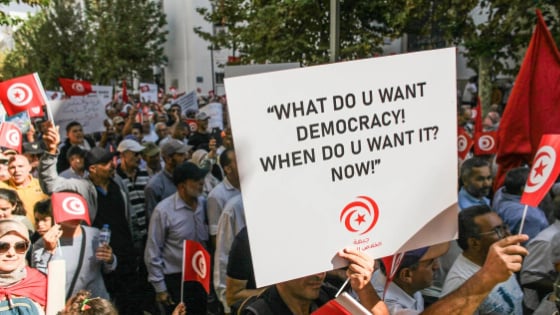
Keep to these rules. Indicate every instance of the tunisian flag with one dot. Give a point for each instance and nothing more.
(196, 264)
(343, 304)
(544, 172)
(21, 94)
(533, 108)
(69, 206)
(10, 136)
(464, 143)
(75, 87)
(124, 92)
(485, 142)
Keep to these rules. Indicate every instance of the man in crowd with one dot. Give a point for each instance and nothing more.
(538, 272)
(108, 203)
(27, 187)
(200, 137)
(152, 158)
(161, 185)
(415, 273)
(224, 191)
(178, 217)
(479, 228)
(76, 158)
(75, 136)
(476, 177)
(507, 203)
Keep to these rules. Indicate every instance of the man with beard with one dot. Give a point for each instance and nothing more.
(476, 177)
(176, 218)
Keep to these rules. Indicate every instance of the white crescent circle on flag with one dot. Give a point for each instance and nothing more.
(199, 264)
(462, 143)
(13, 137)
(73, 206)
(486, 143)
(544, 159)
(19, 94)
(78, 87)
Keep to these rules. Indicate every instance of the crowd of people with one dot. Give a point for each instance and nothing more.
(156, 179)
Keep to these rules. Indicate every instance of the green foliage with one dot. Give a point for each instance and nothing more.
(106, 42)
(5, 19)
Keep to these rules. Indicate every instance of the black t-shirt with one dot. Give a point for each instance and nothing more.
(276, 306)
(240, 264)
(111, 210)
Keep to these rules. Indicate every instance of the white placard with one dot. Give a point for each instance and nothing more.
(88, 110)
(357, 154)
(216, 113)
(187, 101)
(148, 92)
(56, 289)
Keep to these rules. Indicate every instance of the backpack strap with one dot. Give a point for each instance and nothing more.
(259, 307)
(79, 268)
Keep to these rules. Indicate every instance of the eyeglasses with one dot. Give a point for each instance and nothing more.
(500, 230)
(20, 247)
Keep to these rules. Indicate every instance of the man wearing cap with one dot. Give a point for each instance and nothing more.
(199, 139)
(479, 228)
(161, 186)
(76, 159)
(151, 159)
(33, 151)
(27, 187)
(108, 202)
(415, 272)
(176, 218)
(135, 180)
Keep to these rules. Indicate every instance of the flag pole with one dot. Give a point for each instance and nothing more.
(183, 272)
(523, 219)
(44, 95)
(342, 287)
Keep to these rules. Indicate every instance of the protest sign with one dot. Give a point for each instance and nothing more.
(88, 110)
(216, 113)
(148, 92)
(359, 154)
(187, 102)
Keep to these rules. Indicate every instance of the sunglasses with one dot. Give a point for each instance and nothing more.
(20, 247)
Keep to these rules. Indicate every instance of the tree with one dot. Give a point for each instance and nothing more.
(6, 19)
(108, 41)
(298, 30)
(127, 38)
(52, 43)
(497, 44)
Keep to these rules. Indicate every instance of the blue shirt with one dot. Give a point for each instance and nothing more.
(172, 222)
(467, 200)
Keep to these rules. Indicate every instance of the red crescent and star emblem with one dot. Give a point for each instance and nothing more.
(542, 167)
(360, 215)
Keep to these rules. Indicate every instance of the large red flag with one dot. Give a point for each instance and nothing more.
(544, 172)
(75, 87)
(196, 264)
(69, 206)
(10, 136)
(533, 108)
(23, 93)
(124, 92)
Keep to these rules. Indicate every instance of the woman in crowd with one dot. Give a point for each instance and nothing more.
(20, 286)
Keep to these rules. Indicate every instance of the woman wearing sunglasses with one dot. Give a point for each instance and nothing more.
(20, 286)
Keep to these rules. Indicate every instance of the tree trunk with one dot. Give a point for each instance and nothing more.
(484, 83)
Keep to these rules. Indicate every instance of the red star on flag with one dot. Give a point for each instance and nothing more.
(539, 169)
